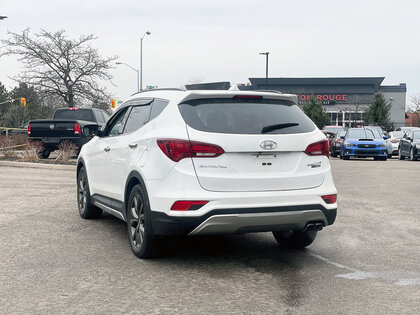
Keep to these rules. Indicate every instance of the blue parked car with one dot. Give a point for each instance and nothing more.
(363, 142)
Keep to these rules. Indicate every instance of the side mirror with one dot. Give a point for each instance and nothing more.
(385, 137)
(342, 137)
(90, 131)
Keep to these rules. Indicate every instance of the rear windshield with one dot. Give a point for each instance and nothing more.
(362, 134)
(76, 114)
(245, 116)
(397, 134)
(333, 129)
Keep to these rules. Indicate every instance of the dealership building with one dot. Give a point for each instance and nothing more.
(344, 98)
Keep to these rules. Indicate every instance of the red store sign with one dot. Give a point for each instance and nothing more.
(323, 97)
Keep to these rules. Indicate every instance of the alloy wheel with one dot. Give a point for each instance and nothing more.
(82, 192)
(137, 224)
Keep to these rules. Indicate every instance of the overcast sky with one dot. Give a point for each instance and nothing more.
(220, 40)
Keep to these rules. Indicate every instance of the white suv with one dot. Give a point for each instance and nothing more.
(175, 162)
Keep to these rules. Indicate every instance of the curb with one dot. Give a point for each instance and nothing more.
(38, 165)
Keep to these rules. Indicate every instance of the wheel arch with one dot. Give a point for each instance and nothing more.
(80, 164)
(133, 179)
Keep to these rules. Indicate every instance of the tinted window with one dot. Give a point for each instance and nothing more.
(157, 107)
(362, 134)
(75, 114)
(245, 116)
(138, 116)
(99, 117)
(115, 128)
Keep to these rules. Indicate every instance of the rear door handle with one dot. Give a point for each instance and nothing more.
(133, 145)
(106, 149)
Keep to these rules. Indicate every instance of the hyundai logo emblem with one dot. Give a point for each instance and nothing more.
(51, 127)
(268, 145)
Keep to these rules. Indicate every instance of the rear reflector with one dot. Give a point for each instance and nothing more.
(29, 129)
(177, 149)
(395, 141)
(183, 205)
(73, 108)
(77, 130)
(318, 148)
(329, 199)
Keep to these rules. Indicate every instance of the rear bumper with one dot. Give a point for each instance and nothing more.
(243, 220)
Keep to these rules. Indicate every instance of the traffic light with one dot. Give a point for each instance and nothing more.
(23, 101)
(112, 103)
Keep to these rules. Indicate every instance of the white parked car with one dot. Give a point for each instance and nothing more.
(175, 162)
(393, 142)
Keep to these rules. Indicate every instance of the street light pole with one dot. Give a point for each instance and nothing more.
(141, 59)
(266, 68)
(137, 71)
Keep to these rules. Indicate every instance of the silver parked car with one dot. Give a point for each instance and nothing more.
(393, 142)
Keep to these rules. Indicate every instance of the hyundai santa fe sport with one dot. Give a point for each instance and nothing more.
(175, 162)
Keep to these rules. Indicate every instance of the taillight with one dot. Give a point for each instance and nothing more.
(29, 129)
(177, 150)
(73, 108)
(77, 130)
(329, 199)
(318, 148)
(183, 205)
(395, 141)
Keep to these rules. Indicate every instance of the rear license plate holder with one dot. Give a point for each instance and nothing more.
(51, 139)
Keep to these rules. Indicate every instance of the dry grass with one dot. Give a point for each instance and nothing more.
(7, 146)
(65, 151)
(30, 152)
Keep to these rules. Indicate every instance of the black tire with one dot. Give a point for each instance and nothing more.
(400, 156)
(84, 202)
(376, 158)
(139, 225)
(346, 157)
(412, 156)
(389, 156)
(44, 154)
(383, 158)
(333, 153)
(295, 239)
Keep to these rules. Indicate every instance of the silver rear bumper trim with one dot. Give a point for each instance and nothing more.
(254, 222)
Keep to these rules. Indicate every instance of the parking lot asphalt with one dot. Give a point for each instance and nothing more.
(368, 262)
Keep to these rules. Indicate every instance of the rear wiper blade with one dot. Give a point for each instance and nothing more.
(278, 126)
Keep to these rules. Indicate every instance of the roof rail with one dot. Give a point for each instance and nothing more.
(161, 89)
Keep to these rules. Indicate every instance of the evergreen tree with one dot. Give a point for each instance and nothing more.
(314, 110)
(378, 112)
(33, 108)
(3, 98)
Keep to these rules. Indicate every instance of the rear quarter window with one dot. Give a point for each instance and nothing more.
(243, 116)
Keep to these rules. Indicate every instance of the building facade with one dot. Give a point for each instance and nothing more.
(344, 99)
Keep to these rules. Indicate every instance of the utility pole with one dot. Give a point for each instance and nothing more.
(141, 59)
(266, 68)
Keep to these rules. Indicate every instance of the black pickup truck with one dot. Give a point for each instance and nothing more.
(74, 125)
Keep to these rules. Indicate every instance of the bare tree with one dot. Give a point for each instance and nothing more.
(414, 106)
(57, 65)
